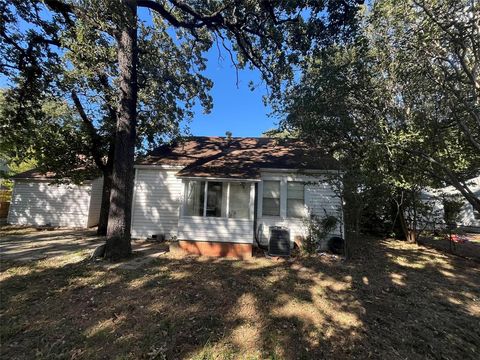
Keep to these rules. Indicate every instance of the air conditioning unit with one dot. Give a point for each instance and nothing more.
(279, 242)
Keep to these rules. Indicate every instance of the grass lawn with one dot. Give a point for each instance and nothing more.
(469, 249)
(392, 301)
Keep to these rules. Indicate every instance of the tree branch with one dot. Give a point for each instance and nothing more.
(167, 15)
(96, 142)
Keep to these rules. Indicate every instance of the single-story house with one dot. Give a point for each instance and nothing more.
(215, 195)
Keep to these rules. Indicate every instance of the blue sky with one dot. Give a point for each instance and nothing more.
(235, 109)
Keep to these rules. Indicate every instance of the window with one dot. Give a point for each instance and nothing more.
(239, 201)
(295, 199)
(214, 199)
(195, 198)
(223, 199)
(271, 198)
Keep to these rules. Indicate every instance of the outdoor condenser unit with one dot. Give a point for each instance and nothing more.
(279, 242)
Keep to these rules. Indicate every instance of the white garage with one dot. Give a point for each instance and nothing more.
(36, 201)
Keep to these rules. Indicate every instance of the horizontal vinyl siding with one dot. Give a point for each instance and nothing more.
(38, 203)
(296, 227)
(216, 229)
(320, 200)
(95, 202)
(156, 203)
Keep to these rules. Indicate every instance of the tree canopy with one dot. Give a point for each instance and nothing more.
(397, 104)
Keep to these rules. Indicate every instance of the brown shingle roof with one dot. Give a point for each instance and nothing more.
(238, 157)
(81, 172)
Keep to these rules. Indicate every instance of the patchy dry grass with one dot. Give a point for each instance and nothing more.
(393, 300)
(15, 230)
(470, 249)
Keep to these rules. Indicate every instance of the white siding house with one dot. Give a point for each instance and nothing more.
(211, 193)
(160, 200)
(38, 202)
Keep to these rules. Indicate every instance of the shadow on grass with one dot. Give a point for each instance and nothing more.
(392, 300)
(34, 244)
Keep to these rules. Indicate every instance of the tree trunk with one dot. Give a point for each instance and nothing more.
(466, 192)
(415, 220)
(106, 191)
(408, 234)
(105, 207)
(118, 244)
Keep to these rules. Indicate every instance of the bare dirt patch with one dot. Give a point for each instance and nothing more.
(393, 300)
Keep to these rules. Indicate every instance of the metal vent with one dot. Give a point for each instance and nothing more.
(279, 243)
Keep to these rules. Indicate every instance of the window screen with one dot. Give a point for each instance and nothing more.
(195, 197)
(271, 198)
(239, 202)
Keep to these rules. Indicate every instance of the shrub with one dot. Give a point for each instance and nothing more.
(318, 229)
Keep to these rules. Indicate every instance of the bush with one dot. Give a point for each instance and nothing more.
(318, 229)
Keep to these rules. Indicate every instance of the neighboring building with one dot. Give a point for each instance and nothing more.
(468, 219)
(37, 201)
(214, 194)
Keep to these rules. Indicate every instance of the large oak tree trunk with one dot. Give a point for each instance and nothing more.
(118, 232)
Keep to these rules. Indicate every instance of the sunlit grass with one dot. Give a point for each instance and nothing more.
(392, 300)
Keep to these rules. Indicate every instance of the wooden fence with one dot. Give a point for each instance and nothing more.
(5, 196)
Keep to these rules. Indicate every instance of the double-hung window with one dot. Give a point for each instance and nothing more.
(217, 199)
(295, 199)
(271, 198)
